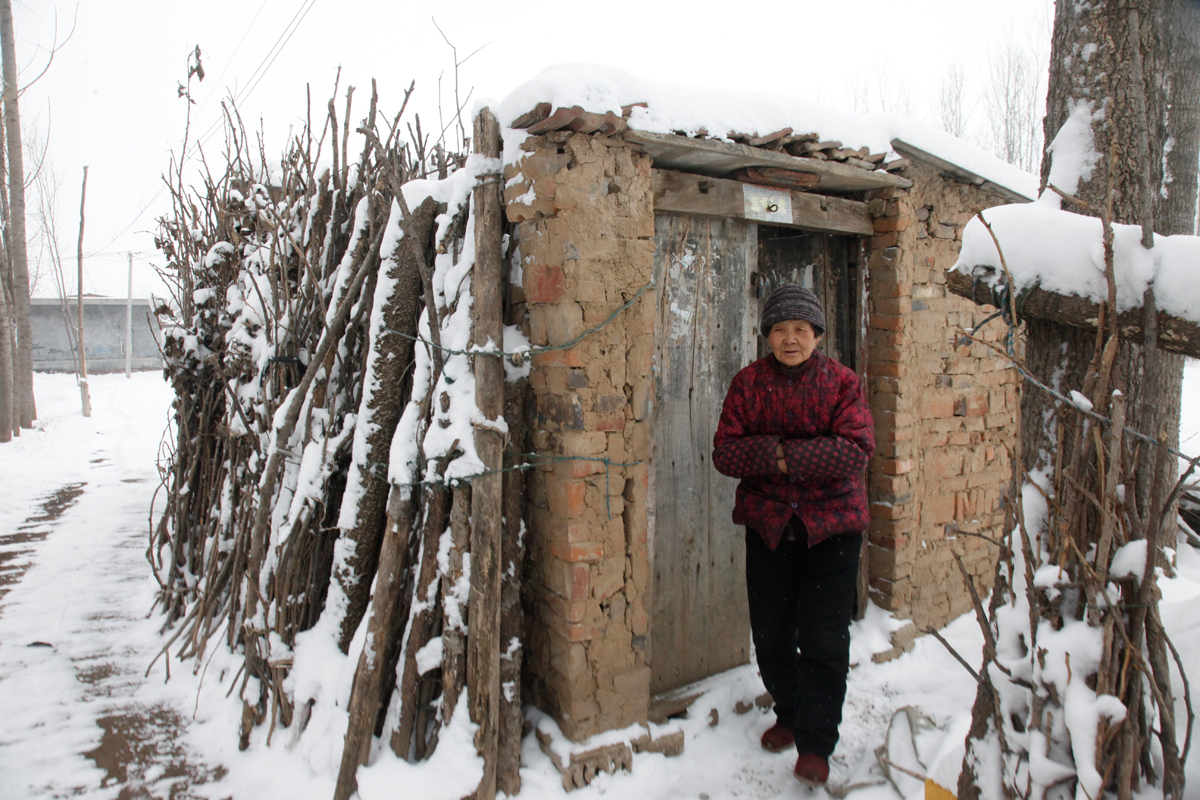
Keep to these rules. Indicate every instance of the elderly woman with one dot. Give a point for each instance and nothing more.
(795, 429)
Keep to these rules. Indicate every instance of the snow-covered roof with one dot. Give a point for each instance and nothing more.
(660, 107)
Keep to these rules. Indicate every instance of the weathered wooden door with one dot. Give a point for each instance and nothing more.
(829, 264)
(700, 622)
(825, 263)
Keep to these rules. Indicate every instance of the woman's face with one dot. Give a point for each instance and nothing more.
(792, 341)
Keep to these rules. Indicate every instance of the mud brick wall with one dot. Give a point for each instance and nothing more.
(584, 217)
(944, 413)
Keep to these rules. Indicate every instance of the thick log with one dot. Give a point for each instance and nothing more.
(454, 607)
(483, 633)
(422, 616)
(365, 697)
(512, 618)
(382, 402)
(1175, 335)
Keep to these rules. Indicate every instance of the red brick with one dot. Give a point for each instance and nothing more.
(580, 468)
(887, 511)
(899, 304)
(944, 463)
(558, 358)
(937, 406)
(964, 505)
(886, 322)
(888, 354)
(972, 405)
(544, 284)
(890, 434)
(889, 542)
(881, 240)
(616, 423)
(892, 466)
(580, 581)
(897, 223)
(566, 497)
(937, 510)
(578, 532)
(885, 369)
(575, 552)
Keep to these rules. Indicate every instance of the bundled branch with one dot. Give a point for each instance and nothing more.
(1075, 697)
(325, 439)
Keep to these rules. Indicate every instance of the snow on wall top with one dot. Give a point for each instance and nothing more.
(672, 107)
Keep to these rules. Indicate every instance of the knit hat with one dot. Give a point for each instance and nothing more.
(792, 301)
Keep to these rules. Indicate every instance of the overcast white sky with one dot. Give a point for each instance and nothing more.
(109, 99)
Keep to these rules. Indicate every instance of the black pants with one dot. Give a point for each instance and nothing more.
(801, 603)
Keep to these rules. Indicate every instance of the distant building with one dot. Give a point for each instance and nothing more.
(104, 338)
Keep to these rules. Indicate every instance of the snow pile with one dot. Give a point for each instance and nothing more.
(672, 107)
(1062, 252)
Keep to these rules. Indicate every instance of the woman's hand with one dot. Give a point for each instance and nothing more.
(779, 458)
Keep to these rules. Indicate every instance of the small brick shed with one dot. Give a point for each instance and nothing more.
(635, 579)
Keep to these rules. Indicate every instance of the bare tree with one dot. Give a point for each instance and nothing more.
(23, 401)
(1012, 99)
(6, 354)
(892, 93)
(950, 104)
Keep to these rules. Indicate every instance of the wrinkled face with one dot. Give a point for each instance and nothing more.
(792, 341)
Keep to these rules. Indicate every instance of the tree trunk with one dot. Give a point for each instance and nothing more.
(1183, 121)
(6, 367)
(512, 617)
(18, 255)
(383, 400)
(84, 398)
(1089, 62)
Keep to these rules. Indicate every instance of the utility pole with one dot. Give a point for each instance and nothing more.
(129, 322)
(83, 379)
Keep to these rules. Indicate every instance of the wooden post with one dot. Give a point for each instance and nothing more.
(421, 622)
(129, 323)
(368, 676)
(84, 397)
(512, 619)
(483, 633)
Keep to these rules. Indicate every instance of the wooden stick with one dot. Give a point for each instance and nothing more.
(424, 611)
(365, 698)
(454, 631)
(483, 636)
(512, 621)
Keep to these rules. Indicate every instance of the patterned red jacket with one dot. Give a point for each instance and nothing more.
(819, 413)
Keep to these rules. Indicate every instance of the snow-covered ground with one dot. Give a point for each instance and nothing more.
(78, 716)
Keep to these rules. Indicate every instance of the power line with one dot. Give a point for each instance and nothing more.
(256, 77)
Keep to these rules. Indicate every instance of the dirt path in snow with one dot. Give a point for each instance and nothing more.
(140, 752)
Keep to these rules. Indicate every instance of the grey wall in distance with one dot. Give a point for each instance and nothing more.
(103, 337)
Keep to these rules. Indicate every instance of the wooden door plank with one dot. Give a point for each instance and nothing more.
(699, 623)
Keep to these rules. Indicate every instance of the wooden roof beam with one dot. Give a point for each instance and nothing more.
(684, 193)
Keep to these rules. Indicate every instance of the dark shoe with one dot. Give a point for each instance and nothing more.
(811, 770)
(778, 738)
